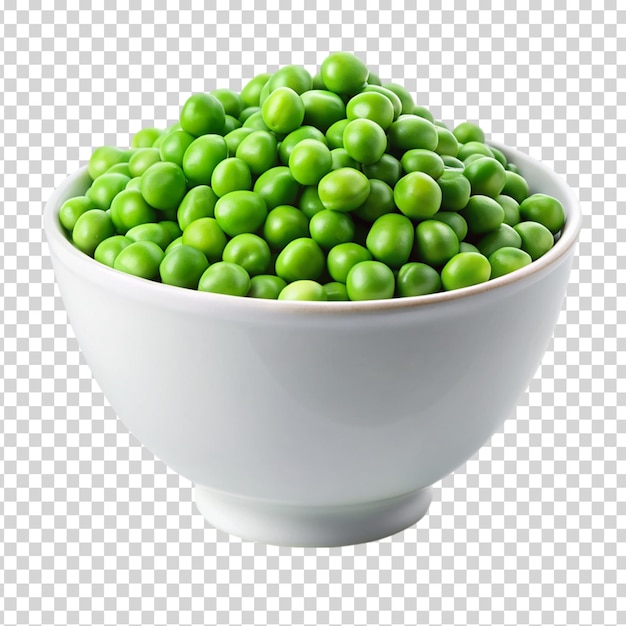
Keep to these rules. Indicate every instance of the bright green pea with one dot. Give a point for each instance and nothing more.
(390, 239)
(141, 258)
(231, 101)
(119, 168)
(372, 106)
(482, 214)
(344, 189)
(408, 105)
(515, 186)
(536, 238)
(336, 292)
(322, 108)
(487, 177)
(105, 188)
(103, 158)
(172, 227)
(387, 169)
(259, 150)
(341, 158)
(198, 202)
(412, 131)
(364, 140)
(499, 156)
(464, 246)
(174, 244)
(240, 212)
(329, 228)
(202, 157)
(303, 290)
(420, 160)
(295, 137)
(447, 143)
(506, 260)
(511, 167)
(310, 202)
(247, 112)
(317, 82)
(300, 259)
(396, 103)
(417, 195)
(284, 224)
(134, 183)
(417, 279)
(473, 147)
(379, 202)
(109, 248)
(206, 235)
(343, 73)
(544, 209)
(129, 209)
(202, 114)
(455, 221)
(468, 131)
(370, 280)
(72, 209)
(342, 257)
(511, 209)
(230, 123)
(452, 162)
(234, 138)
(465, 269)
(502, 237)
(249, 251)
(256, 122)
(435, 242)
(422, 111)
(474, 157)
(266, 286)
(183, 266)
(283, 110)
(231, 174)
(151, 232)
(309, 161)
(295, 77)
(251, 91)
(334, 135)
(173, 147)
(163, 186)
(145, 138)
(277, 186)
(225, 278)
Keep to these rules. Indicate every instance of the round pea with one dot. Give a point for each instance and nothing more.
(252, 89)
(334, 135)
(499, 156)
(91, 228)
(452, 162)
(342, 257)
(129, 209)
(240, 212)
(141, 258)
(202, 114)
(340, 158)
(259, 150)
(435, 242)
(119, 168)
(515, 186)
(303, 290)
(230, 123)
(379, 202)
(506, 260)
(206, 235)
(502, 237)
(420, 160)
(446, 142)
(255, 122)
(472, 148)
(372, 106)
(417, 279)
(464, 270)
(396, 103)
(465, 246)
(231, 174)
(536, 238)
(468, 131)
(387, 169)
(277, 186)
(249, 251)
(344, 189)
(109, 248)
(225, 278)
(482, 214)
(173, 147)
(103, 158)
(309, 161)
(336, 292)
(412, 131)
(202, 157)
(284, 224)
(105, 188)
(511, 209)
(322, 108)
(390, 239)
(487, 177)
(417, 195)
(301, 259)
(266, 286)
(310, 202)
(163, 186)
(142, 159)
(182, 266)
(343, 73)
(370, 280)
(544, 209)
(231, 101)
(295, 77)
(329, 228)
(234, 138)
(198, 202)
(283, 110)
(295, 137)
(511, 167)
(422, 111)
(172, 228)
(145, 138)
(408, 105)
(364, 140)
(150, 232)
(455, 221)
(134, 183)
(174, 244)
(72, 209)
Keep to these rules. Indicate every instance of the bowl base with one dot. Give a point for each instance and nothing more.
(281, 524)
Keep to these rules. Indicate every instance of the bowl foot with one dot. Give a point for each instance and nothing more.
(276, 523)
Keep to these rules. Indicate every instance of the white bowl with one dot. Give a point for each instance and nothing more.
(314, 423)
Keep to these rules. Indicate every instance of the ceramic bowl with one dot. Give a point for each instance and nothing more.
(314, 423)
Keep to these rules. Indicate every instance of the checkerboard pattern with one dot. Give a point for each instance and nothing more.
(94, 530)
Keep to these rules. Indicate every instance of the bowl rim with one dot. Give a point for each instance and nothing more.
(83, 264)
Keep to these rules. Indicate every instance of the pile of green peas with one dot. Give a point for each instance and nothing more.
(324, 187)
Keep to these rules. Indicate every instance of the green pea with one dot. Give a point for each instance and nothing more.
(249, 251)
(202, 157)
(334, 135)
(109, 248)
(103, 158)
(455, 221)
(511, 209)
(422, 111)
(465, 246)
(452, 162)
(284, 224)
(174, 244)
(474, 157)
(340, 158)
(536, 238)
(231, 101)
(502, 237)
(202, 114)
(344, 189)
(150, 232)
(417, 195)
(173, 147)
(251, 91)
(387, 169)
(72, 209)
(511, 167)
(435, 242)
(373, 79)
(230, 123)
(240, 212)
(322, 108)
(335, 292)
(506, 260)
(310, 202)
(364, 140)
(163, 186)
(295, 77)
(206, 235)
(396, 103)
(329, 228)
(515, 186)
(277, 186)
(499, 156)
(390, 239)
(379, 202)
(370, 280)
(266, 286)
(119, 168)
(482, 214)
(417, 279)
(129, 209)
(411, 131)
(303, 290)
(420, 160)
(544, 209)
(105, 188)
(343, 73)
(309, 161)
(145, 138)
(234, 138)
(464, 270)
(468, 131)
(183, 266)
(301, 259)
(295, 137)
(225, 278)
(172, 228)
(141, 258)
(231, 174)
(447, 143)
(259, 150)
(283, 110)
(198, 202)
(372, 106)
(487, 177)
(133, 183)
(342, 257)
(408, 105)
(473, 147)
(256, 122)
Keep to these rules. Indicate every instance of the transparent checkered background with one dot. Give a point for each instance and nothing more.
(94, 530)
